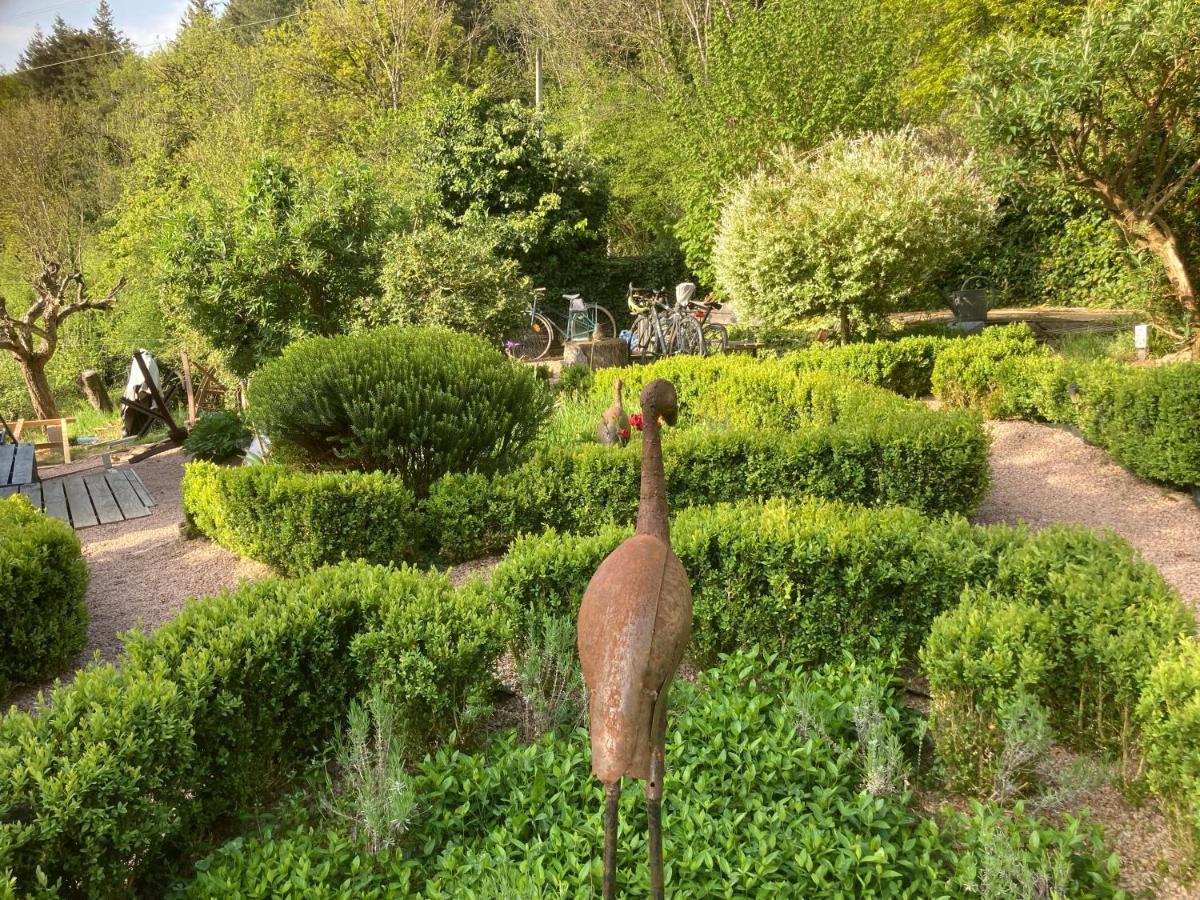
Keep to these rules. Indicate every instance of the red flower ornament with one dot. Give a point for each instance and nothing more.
(636, 421)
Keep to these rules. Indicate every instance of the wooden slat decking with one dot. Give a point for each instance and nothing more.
(97, 498)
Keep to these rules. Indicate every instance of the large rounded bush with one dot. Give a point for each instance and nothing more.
(852, 229)
(43, 619)
(419, 402)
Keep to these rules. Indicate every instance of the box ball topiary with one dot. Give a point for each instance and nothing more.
(43, 579)
(417, 402)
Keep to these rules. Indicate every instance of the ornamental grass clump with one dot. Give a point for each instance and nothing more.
(417, 402)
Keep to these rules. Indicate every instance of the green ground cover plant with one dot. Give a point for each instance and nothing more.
(43, 579)
(218, 437)
(523, 820)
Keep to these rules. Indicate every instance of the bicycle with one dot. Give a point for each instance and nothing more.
(660, 330)
(716, 335)
(584, 321)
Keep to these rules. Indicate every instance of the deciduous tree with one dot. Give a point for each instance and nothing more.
(1113, 108)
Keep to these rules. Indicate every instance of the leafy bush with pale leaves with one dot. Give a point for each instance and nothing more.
(852, 229)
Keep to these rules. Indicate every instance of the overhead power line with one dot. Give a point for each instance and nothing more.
(155, 46)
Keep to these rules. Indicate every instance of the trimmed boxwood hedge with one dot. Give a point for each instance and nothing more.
(297, 521)
(822, 437)
(118, 775)
(43, 580)
(1147, 418)
(122, 775)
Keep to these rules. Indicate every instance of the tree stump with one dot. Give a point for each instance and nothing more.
(94, 390)
(605, 353)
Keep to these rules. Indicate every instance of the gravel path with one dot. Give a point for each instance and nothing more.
(1042, 475)
(141, 570)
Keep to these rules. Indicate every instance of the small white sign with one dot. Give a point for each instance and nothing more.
(1141, 337)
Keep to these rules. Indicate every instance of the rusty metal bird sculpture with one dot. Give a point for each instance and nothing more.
(634, 623)
(614, 424)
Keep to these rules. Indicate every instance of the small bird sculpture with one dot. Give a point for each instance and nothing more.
(614, 424)
(634, 623)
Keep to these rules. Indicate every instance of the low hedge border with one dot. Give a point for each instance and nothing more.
(120, 775)
(124, 772)
(1145, 417)
(43, 580)
(822, 438)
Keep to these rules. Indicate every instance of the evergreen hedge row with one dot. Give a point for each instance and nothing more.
(824, 439)
(1145, 417)
(123, 775)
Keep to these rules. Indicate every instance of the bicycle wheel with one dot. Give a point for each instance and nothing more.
(643, 343)
(532, 342)
(687, 338)
(606, 325)
(716, 339)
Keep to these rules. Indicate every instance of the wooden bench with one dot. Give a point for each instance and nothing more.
(56, 434)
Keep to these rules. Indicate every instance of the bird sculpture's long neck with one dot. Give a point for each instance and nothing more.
(652, 511)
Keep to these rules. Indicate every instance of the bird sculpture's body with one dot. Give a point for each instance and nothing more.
(614, 424)
(634, 623)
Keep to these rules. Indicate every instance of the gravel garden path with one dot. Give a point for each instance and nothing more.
(141, 570)
(1043, 475)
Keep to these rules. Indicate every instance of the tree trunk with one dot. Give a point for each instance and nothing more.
(844, 323)
(1154, 233)
(34, 371)
(1163, 244)
(95, 391)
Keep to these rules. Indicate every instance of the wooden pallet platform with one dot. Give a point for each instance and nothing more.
(18, 464)
(94, 498)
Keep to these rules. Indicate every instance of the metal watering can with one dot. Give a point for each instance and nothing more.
(971, 304)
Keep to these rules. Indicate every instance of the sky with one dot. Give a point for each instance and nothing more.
(145, 22)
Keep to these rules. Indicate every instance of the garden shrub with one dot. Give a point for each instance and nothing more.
(417, 402)
(813, 578)
(981, 658)
(1145, 417)
(525, 820)
(218, 436)
(851, 229)
(434, 650)
(839, 440)
(119, 774)
(907, 456)
(904, 365)
(1111, 617)
(43, 579)
(451, 278)
(296, 521)
(1169, 715)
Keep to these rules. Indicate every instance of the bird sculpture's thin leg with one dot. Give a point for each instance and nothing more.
(654, 821)
(654, 792)
(612, 798)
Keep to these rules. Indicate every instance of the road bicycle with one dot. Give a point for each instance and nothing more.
(660, 329)
(583, 322)
(716, 335)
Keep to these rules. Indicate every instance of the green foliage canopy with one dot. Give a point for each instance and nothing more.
(294, 256)
(852, 229)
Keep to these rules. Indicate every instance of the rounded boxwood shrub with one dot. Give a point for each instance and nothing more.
(43, 579)
(417, 402)
(127, 770)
